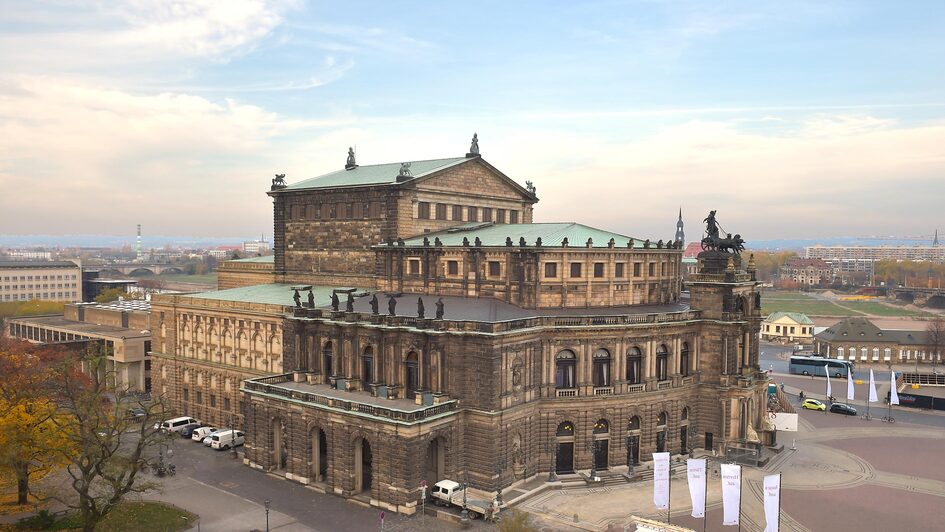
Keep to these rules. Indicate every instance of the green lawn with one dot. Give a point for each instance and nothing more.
(809, 306)
(879, 309)
(141, 516)
(208, 278)
(779, 295)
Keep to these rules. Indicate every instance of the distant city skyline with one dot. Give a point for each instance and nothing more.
(795, 121)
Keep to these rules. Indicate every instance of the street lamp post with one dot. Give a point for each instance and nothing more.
(631, 448)
(593, 458)
(552, 475)
(465, 513)
(267, 502)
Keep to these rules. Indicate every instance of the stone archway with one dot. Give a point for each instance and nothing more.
(435, 464)
(280, 457)
(363, 466)
(319, 467)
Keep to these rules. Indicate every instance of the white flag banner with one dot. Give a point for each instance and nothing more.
(731, 493)
(850, 393)
(695, 469)
(827, 373)
(893, 392)
(661, 480)
(772, 502)
(873, 398)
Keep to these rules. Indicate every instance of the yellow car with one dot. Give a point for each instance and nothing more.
(813, 404)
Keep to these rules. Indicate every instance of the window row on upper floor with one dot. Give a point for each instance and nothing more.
(465, 213)
(336, 211)
(566, 366)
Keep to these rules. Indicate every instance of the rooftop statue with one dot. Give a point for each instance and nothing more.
(349, 304)
(474, 145)
(374, 305)
(530, 187)
(311, 298)
(334, 302)
(713, 241)
(297, 298)
(350, 163)
(439, 309)
(420, 307)
(278, 181)
(392, 305)
(404, 170)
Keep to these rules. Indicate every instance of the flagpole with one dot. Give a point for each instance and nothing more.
(705, 513)
(669, 496)
(740, 485)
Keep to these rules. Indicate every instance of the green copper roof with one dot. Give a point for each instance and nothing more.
(551, 234)
(375, 174)
(796, 316)
(269, 294)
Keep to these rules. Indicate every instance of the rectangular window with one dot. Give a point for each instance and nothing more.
(199, 395)
(375, 209)
(662, 268)
(652, 269)
(349, 210)
(333, 211)
(598, 269)
(452, 267)
(358, 210)
(213, 401)
(618, 270)
(440, 211)
(226, 403)
(495, 268)
(636, 269)
(513, 217)
(413, 267)
(423, 210)
(458, 213)
(472, 214)
(186, 394)
(551, 270)
(486, 214)
(500, 216)
(575, 269)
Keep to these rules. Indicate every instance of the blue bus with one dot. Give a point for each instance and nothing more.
(815, 365)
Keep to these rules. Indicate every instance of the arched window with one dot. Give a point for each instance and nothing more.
(634, 423)
(840, 353)
(327, 354)
(887, 354)
(875, 353)
(565, 363)
(602, 426)
(413, 374)
(685, 414)
(634, 366)
(684, 359)
(862, 353)
(661, 419)
(367, 365)
(565, 429)
(601, 367)
(662, 363)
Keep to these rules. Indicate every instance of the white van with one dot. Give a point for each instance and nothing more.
(225, 439)
(202, 432)
(175, 425)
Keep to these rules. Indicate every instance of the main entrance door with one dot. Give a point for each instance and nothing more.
(601, 452)
(708, 441)
(413, 376)
(564, 462)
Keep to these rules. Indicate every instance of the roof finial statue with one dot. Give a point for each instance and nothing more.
(278, 182)
(474, 147)
(530, 187)
(350, 163)
(404, 170)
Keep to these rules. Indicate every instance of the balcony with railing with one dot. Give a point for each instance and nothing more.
(603, 390)
(566, 392)
(358, 403)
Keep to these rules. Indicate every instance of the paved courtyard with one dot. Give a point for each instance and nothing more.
(847, 474)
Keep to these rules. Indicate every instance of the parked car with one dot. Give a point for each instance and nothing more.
(225, 439)
(136, 413)
(842, 408)
(188, 430)
(176, 424)
(202, 432)
(813, 404)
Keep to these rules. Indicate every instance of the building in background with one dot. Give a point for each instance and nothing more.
(40, 280)
(256, 247)
(122, 330)
(831, 254)
(808, 272)
(787, 327)
(862, 341)
(29, 254)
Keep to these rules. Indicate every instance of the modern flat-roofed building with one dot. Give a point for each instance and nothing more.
(874, 253)
(40, 280)
(121, 328)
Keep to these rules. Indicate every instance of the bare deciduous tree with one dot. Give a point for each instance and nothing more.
(935, 338)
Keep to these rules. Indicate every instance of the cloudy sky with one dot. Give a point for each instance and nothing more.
(793, 119)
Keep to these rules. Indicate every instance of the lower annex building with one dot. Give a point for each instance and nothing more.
(478, 349)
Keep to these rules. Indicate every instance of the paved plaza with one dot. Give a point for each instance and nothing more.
(846, 474)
